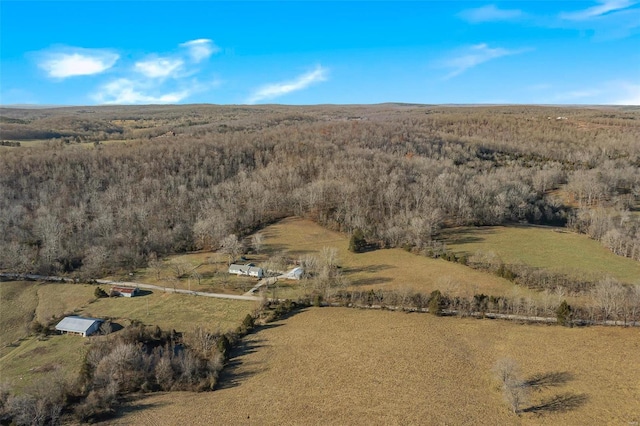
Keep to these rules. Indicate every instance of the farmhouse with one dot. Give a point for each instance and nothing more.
(124, 291)
(79, 325)
(249, 269)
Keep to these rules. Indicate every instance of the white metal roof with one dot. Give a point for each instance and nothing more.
(76, 324)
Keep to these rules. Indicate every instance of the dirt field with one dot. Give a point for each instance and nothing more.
(342, 366)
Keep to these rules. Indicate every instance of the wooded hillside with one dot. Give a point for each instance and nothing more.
(178, 178)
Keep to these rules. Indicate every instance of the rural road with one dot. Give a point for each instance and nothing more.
(134, 284)
(246, 296)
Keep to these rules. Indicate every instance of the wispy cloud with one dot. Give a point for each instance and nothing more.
(630, 94)
(604, 7)
(579, 94)
(275, 90)
(612, 92)
(200, 49)
(75, 61)
(159, 67)
(490, 13)
(158, 79)
(125, 91)
(474, 56)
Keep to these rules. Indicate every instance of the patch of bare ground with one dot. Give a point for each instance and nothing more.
(347, 366)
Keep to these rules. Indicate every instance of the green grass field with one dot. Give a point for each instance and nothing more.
(25, 358)
(389, 269)
(543, 247)
(173, 311)
(18, 302)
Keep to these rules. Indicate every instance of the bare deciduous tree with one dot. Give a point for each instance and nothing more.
(232, 247)
(514, 388)
(257, 241)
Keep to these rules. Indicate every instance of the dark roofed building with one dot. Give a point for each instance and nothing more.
(124, 291)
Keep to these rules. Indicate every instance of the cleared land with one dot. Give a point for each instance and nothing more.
(342, 366)
(383, 269)
(173, 311)
(544, 247)
(211, 268)
(295, 237)
(25, 359)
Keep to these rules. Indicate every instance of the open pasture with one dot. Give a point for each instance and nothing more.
(544, 247)
(347, 366)
(173, 311)
(387, 269)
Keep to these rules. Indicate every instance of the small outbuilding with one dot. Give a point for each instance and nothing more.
(124, 291)
(79, 325)
(249, 270)
(294, 274)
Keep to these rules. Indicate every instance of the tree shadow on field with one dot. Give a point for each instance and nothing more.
(467, 235)
(558, 404)
(541, 381)
(133, 404)
(368, 268)
(238, 369)
(370, 281)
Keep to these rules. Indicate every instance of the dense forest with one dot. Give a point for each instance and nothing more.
(97, 189)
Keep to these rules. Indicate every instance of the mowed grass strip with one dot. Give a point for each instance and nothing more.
(388, 269)
(544, 247)
(173, 311)
(347, 366)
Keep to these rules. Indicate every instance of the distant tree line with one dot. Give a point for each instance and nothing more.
(397, 174)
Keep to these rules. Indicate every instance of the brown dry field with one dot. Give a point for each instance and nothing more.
(346, 366)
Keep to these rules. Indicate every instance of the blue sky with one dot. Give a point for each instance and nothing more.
(121, 52)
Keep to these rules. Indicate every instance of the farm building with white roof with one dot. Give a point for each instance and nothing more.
(79, 325)
(249, 269)
(294, 274)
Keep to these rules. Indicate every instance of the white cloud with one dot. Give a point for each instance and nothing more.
(579, 94)
(200, 49)
(125, 91)
(604, 7)
(490, 13)
(159, 67)
(275, 90)
(75, 61)
(474, 56)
